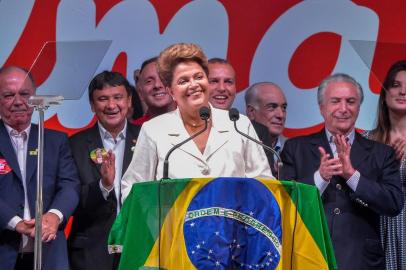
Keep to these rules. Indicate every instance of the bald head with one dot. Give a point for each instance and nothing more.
(16, 87)
(6, 71)
(266, 104)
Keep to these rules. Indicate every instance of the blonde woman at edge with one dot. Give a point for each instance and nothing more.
(219, 151)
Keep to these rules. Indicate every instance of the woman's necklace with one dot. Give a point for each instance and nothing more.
(195, 125)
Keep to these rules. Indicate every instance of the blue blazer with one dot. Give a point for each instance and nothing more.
(60, 191)
(353, 217)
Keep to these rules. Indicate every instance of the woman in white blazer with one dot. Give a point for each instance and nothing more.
(219, 151)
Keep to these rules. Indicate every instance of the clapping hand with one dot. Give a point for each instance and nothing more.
(329, 167)
(343, 151)
(399, 145)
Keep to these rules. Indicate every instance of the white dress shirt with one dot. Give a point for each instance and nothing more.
(19, 141)
(117, 146)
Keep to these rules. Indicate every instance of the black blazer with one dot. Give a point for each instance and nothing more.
(94, 216)
(353, 217)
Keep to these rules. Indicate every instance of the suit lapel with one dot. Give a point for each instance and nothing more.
(94, 141)
(32, 159)
(178, 133)
(360, 150)
(219, 135)
(7, 150)
(320, 139)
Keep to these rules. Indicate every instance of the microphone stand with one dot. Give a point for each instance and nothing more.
(204, 113)
(40, 103)
(234, 116)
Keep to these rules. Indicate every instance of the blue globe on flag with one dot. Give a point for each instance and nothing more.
(227, 226)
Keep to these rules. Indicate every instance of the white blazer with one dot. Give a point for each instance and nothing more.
(227, 153)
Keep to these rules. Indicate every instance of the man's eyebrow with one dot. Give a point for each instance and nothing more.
(271, 103)
(274, 104)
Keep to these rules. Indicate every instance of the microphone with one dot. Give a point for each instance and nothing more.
(204, 113)
(234, 115)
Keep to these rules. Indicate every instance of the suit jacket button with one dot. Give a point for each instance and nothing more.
(338, 186)
(22, 206)
(337, 211)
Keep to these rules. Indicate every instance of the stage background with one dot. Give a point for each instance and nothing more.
(292, 43)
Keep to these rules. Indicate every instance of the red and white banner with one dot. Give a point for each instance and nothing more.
(292, 43)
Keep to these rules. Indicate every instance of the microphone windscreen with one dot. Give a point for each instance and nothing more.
(233, 114)
(204, 113)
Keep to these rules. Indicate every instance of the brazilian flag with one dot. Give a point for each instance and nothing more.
(222, 223)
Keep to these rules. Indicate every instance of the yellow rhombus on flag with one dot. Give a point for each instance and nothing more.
(222, 223)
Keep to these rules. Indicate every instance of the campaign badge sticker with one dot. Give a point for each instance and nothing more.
(233, 224)
(4, 167)
(98, 155)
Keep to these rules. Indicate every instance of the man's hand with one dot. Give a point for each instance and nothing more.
(329, 167)
(50, 224)
(343, 151)
(108, 170)
(26, 227)
(399, 145)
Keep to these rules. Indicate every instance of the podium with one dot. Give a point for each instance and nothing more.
(222, 223)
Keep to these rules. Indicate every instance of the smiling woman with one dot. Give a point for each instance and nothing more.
(218, 151)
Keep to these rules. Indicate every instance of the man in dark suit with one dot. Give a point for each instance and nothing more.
(18, 173)
(266, 106)
(108, 144)
(358, 178)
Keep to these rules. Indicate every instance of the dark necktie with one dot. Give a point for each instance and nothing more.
(273, 162)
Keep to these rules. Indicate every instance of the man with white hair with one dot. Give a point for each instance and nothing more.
(358, 179)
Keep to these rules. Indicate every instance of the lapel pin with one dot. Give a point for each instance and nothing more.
(4, 167)
(97, 155)
(33, 152)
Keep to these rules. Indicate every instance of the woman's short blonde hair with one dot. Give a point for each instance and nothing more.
(176, 54)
